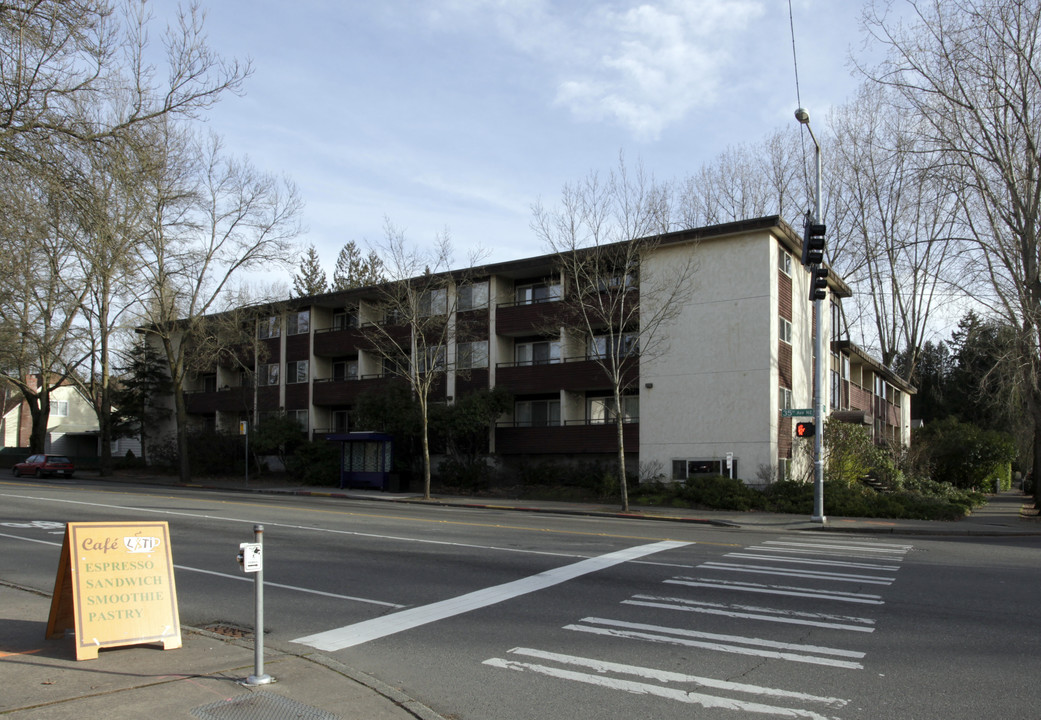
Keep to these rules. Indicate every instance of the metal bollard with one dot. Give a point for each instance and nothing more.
(251, 556)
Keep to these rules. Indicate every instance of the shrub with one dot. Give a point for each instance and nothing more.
(965, 455)
(315, 463)
(465, 475)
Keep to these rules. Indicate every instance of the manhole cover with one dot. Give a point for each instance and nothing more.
(229, 630)
(261, 706)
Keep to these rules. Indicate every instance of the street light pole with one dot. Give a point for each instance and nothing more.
(803, 116)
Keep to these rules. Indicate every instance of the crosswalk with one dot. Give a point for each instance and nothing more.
(745, 603)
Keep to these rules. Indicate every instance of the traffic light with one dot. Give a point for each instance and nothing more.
(805, 429)
(818, 282)
(813, 243)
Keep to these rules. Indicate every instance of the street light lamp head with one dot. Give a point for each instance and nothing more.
(803, 116)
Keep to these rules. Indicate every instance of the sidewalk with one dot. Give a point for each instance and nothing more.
(1004, 514)
(203, 679)
(42, 680)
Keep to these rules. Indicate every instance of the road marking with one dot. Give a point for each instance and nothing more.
(826, 563)
(294, 588)
(863, 598)
(374, 536)
(601, 669)
(240, 577)
(737, 644)
(751, 612)
(808, 574)
(897, 549)
(358, 633)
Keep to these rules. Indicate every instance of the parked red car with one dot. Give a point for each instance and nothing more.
(41, 465)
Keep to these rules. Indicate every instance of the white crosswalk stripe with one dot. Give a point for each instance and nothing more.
(605, 674)
(822, 565)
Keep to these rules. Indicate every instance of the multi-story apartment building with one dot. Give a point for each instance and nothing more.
(739, 353)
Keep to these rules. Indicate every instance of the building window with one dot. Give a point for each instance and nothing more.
(296, 372)
(536, 413)
(836, 391)
(603, 346)
(267, 374)
(537, 293)
(59, 408)
(472, 296)
(298, 323)
(431, 359)
(783, 469)
(689, 468)
(784, 398)
(433, 302)
(340, 421)
(269, 327)
(784, 262)
(300, 416)
(346, 318)
(786, 331)
(209, 383)
(471, 355)
(345, 370)
(537, 353)
(604, 410)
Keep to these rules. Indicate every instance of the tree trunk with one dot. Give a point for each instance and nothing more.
(619, 417)
(426, 454)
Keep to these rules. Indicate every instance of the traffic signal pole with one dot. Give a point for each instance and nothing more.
(817, 271)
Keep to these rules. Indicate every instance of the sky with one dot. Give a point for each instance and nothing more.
(459, 115)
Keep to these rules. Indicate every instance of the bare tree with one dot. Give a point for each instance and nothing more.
(892, 224)
(743, 182)
(79, 70)
(416, 321)
(41, 290)
(968, 71)
(77, 94)
(212, 217)
(602, 233)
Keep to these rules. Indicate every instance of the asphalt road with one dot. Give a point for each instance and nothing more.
(488, 614)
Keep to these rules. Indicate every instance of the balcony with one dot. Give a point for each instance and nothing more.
(577, 373)
(329, 392)
(229, 399)
(335, 342)
(528, 318)
(572, 438)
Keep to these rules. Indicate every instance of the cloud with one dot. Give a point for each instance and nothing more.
(641, 65)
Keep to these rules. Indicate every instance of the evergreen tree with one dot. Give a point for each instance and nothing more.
(310, 280)
(144, 378)
(354, 271)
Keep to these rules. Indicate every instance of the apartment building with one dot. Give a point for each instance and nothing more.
(738, 354)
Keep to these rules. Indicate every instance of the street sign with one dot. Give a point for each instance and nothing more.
(252, 557)
(797, 412)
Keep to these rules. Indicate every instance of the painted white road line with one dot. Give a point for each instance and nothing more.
(757, 647)
(808, 574)
(358, 633)
(666, 676)
(749, 612)
(294, 588)
(601, 679)
(822, 553)
(863, 598)
(860, 547)
(240, 577)
(807, 561)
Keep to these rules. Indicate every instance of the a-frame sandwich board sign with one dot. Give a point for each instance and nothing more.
(115, 586)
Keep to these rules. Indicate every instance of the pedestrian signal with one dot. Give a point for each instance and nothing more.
(805, 429)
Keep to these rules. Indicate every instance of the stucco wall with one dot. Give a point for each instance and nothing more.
(714, 390)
